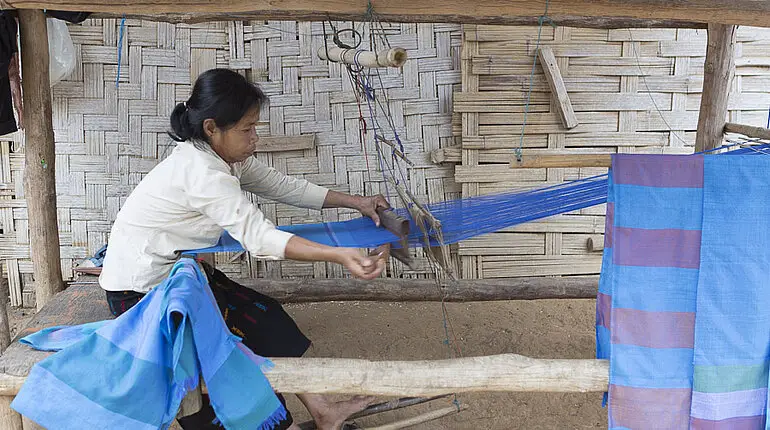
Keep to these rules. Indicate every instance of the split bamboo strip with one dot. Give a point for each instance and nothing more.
(561, 160)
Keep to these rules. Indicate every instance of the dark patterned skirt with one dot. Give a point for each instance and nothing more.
(259, 320)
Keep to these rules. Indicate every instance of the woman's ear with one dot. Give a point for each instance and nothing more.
(210, 127)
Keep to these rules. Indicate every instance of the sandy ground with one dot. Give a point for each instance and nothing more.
(393, 331)
(411, 331)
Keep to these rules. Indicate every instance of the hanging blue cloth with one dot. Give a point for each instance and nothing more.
(132, 372)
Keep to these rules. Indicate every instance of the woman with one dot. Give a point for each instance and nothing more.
(189, 199)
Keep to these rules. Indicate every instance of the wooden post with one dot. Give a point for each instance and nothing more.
(9, 419)
(39, 180)
(717, 76)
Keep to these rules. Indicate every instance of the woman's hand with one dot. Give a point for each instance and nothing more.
(360, 265)
(368, 206)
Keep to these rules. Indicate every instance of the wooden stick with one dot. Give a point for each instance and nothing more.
(748, 130)
(39, 157)
(561, 160)
(422, 418)
(558, 89)
(717, 77)
(494, 373)
(379, 408)
(422, 290)
(743, 12)
(393, 57)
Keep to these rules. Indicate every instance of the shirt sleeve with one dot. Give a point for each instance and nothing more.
(218, 195)
(268, 182)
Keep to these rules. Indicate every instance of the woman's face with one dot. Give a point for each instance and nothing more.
(238, 142)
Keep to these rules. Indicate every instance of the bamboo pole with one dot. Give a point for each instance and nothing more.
(39, 156)
(493, 373)
(393, 57)
(717, 76)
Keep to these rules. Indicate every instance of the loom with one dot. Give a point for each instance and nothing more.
(460, 219)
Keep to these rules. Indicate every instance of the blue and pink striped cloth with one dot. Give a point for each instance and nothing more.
(683, 310)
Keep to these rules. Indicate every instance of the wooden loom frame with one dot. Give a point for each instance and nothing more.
(493, 373)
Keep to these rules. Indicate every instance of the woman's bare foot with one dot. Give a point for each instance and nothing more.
(330, 415)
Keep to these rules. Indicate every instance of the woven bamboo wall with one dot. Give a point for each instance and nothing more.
(634, 91)
(107, 138)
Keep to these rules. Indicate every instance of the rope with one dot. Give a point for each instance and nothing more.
(541, 20)
(120, 48)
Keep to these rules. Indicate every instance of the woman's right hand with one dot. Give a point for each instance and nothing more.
(360, 265)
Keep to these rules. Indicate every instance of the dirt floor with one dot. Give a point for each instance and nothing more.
(411, 331)
(393, 331)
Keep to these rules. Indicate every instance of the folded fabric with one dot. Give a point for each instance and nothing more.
(682, 309)
(132, 372)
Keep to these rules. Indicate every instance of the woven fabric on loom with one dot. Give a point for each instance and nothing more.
(682, 310)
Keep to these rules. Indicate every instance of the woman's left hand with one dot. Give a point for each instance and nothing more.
(368, 206)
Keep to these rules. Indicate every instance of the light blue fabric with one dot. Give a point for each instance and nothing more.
(132, 372)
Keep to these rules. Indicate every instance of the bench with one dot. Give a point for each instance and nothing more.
(79, 304)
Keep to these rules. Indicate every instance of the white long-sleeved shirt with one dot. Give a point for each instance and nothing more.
(186, 202)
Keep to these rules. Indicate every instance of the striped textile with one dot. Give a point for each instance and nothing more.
(132, 372)
(681, 237)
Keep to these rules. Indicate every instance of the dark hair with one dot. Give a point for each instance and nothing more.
(220, 94)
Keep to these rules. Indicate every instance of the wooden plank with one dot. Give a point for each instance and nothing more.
(743, 12)
(561, 160)
(558, 90)
(747, 130)
(39, 177)
(718, 74)
(286, 143)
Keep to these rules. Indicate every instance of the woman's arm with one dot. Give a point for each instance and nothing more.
(366, 205)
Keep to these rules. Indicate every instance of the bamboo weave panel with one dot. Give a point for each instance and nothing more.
(633, 91)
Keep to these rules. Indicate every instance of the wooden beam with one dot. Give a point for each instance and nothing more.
(39, 157)
(748, 130)
(647, 12)
(417, 290)
(493, 373)
(561, 160)
(717, 78)
(558, 89)
(420, 290)
(559, 20)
